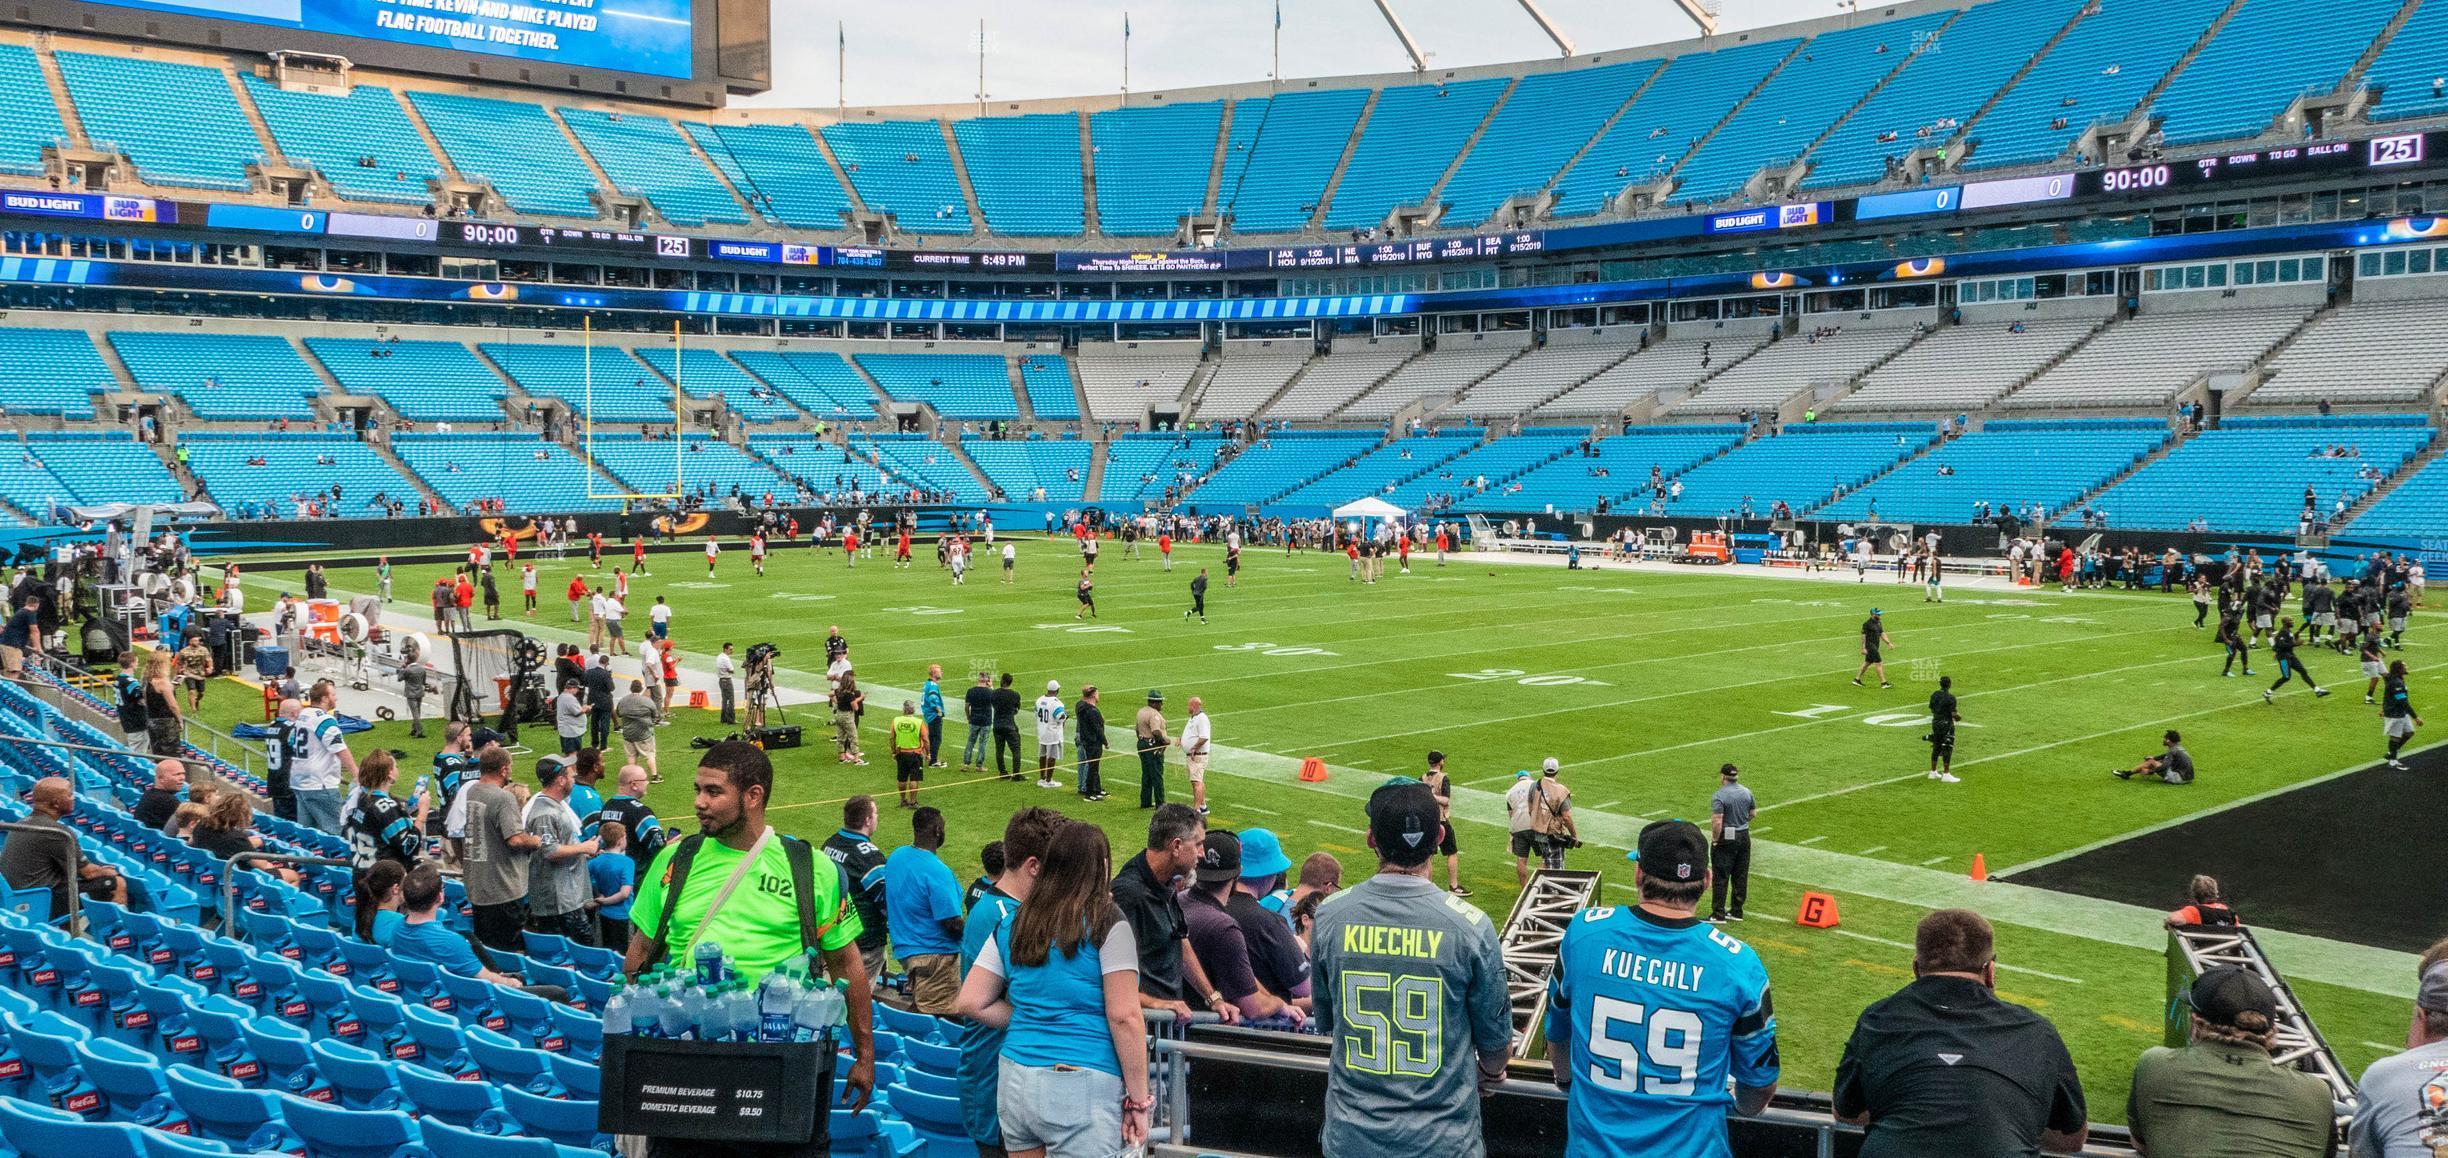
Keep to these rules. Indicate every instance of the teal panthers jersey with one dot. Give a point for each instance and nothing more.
(1652, 1015)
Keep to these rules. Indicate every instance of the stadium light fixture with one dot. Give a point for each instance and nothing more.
(1419, 60)
(1702, 13)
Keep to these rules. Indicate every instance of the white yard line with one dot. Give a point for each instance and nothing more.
(1891, 943)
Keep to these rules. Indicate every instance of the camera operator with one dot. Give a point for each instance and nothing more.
(760, 677)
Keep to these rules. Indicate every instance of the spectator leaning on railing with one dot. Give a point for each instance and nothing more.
(2219, 1096)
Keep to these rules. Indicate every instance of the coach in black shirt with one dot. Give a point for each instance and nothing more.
(1007, 728)
(599, 697)
(1945, 1067)
(1147, 892)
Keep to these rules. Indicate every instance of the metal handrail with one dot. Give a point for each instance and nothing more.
(232, 927)
(75, 853)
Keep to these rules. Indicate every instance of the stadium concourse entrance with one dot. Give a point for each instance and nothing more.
(2355, 857)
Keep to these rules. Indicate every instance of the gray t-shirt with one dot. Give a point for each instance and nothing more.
(495, 874)
(1734, 802)
(2396, 1118)
(1399, 1084)
(569, 714)
(2179, 768)
(554, 887)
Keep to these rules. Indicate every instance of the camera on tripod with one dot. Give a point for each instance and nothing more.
(763, 654)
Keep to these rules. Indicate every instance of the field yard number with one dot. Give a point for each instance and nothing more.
(800, 596)
(1084, 628)
(1272, 649)
(698, 585)
(1529, 681)
(921, 609)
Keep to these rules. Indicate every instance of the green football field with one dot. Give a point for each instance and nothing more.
(1642, 682)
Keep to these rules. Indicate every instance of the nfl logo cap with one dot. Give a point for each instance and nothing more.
(1672, 850)
(1404, 823)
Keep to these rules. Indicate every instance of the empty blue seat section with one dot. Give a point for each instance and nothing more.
(1281, 152)
(2007, 465)
(1498, 462)
(822, 382)
(2264, 57)
(1152, 166)
(362, 143)
(825, 468)
(2415, 57)
(1051, 395)
(2097, 73)
(1026, 173)
(27, 482)
(622, 389)
(923, 462)
(779, 169)
(293, 470)
(959, 386)
(902, 168)
(29, 119)
(514, 146)
(1393, 463)
(2249, 474)
(1282, 463)
(179, 123)
(705, 373)
(1411, 137)
(1950, 80)
(222, 377)
(425, 381)
(1803, 466)
(1676, 110)
(701, 466)
(1020, 466)
(104, 466)
(644, 155)
(1541, 126)
(1574, 482)
(1141, 466)
(51, 372)
(2418, 507)
(464, 468)
(1799, 102)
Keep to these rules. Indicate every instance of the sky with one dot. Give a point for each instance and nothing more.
(926, 51)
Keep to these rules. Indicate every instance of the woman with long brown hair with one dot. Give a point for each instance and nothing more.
(1061, 977)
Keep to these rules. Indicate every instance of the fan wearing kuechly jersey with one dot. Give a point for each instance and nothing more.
(379, 826)
(1650, 1010)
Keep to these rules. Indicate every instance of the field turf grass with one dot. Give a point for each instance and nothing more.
(1641, 682)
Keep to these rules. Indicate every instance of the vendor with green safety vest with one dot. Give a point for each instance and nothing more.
(699, 890)
(909, 745)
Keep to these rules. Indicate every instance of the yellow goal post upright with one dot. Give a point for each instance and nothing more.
(587, 419)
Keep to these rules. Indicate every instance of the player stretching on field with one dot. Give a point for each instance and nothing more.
(1874, 637)
(2397, 718)
(2282, 645)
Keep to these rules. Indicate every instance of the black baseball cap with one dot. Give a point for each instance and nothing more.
(1221, 860)
(2225, 992)
(551, 768)
(1404, 823)
(483, 736)
(1672, 850)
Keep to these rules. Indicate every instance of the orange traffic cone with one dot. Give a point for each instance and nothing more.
(1980, 867)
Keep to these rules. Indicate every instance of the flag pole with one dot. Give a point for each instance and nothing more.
(1275, 71)
(1126, 57)
(841, 69)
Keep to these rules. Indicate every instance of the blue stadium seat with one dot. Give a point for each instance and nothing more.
(222, 377)
(1410, 139)
(1153, 166)
(694, 464)
(1679, 107)
(43, 1132)
(514, 146)
(1924, 105)
(2262, 59)
(225, 1111)
(1020, 466)
(702, 373)
(609, 385)
(424, 381)
(446, 1099)
(129, 1078)
(820, 381)
(2007, 465)
(1541, 125)
(902, 168)
(961, 387)
(2402, 76)
(941, 1059)
(363, 1080)
(52, 371)
(452, 1141)
(2249, 474)
(29, 121)
(1052, 396)
(1280, 153)
(333, 1132)
(922, 462)
(464, 468)
(1026, 173)
(1795, 107)
(569, 1122)
(2096, 74)
(295, 469)
(179, 123)
(779, 169)
(361, 142)
(646, 156)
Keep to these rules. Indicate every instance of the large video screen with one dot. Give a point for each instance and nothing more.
(653, 37)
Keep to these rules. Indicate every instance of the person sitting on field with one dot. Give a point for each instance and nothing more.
(2174, 766)
(2207, 910)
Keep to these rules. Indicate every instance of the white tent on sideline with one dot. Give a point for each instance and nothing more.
(1369, 508)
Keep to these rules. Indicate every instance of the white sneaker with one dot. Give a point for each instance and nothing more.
(1948, 778)
(2396, 763)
